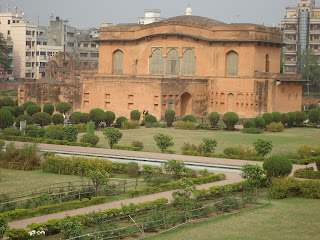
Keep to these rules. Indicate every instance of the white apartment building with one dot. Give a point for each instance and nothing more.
(151, 16)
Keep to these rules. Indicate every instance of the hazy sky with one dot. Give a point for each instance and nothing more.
(91, 13)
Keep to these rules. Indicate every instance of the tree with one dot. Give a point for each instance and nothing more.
(300, 117)
(169, 117)
(57, 118)
(63, 107)
(163, 141)
(209, 145)
(110, 117)
(263, 147)
(230, 119)
(85, 117)
(4, 51)
(6, 119)
(33, 109)
(98, 178)
(113, 135)
(18, 111)
(314, 115)
(186, 197)
(24, 117)
(135, 115)
(70, 133)
(133, 169)
(214, 119)
(41, 118)
(277, 166)
(97, 116)
(48, 108)
(174, 167)
(7, 101)
(253, 174)
(27, 104)
(75, 117)
(311, 68)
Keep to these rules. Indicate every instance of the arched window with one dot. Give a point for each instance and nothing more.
(118, 62)
(157, 62)
(267, 63)
(189, 63)
(173, 62)
(232, 64)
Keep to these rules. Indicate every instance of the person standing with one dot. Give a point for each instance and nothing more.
(144, 115)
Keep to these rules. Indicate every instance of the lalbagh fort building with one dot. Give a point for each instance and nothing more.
(191, 64)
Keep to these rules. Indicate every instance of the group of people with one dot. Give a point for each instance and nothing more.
(305, 107)
(144, 114)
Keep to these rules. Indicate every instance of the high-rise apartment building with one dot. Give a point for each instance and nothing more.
(301, 30)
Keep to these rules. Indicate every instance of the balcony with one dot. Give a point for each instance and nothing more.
(10, 44)
(10, 55)
(11, 66)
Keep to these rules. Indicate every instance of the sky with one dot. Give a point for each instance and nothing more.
(92, 13)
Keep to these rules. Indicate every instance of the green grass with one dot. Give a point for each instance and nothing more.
(283, 142)
(294, 218)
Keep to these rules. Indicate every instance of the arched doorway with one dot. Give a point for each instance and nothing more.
(186, 104)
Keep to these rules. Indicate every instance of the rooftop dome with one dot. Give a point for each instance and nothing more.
(195, 19)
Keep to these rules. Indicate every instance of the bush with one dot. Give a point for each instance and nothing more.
(97, 116)
(231, 151)
(130, 125)
(150, 119)
(307, 173)
(276, 117)
(90, 138)
(307, 151)
(33, 109)
(133, 169)
(230, 119)
(48, 108)
(17, 234)
(75, 117)
(169, 151)
(11, 131)
(10, 109)
(127, 148)
(263, 147)
(300, 117)
(82, 128)
(314, 115)
(42, 118)
(18, 111)
(185, 125)
(277, 166)
(249, 124)
(275, 127)
(163, 141)
(137, 144)
(153, 125)
(189, 118)
(7, 101)
(135, 115)
(312, 106)
(27, 104)
(6, 119)
(90, 128)
(318, 164)
(241, 153)
(70, 133)
(24, 117)
(252, 130)
(85, 118)
(214, 119)
(293, 117)
(268, 118)
(285, 119)
(260, 122)
(57, 119)
(169, 117)
(110, 117)
(113, 135)
(120, 120)
(204, 126)
(63, 107)
(54, 134)
(209, 145)
(34, 131)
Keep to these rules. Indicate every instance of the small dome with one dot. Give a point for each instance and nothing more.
(189, 11)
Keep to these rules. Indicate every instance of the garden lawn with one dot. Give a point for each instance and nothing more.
(290, 219)
(283, 142)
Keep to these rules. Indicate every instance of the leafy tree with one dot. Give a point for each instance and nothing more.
(314, 115)
(277, 166)
(120, 120)
(285, 119)
(311, 70)
(135, 115)
(113, 135)
(48, 108)
(85, 117)
(63, 107)
(75, 117)
(276, 117)
(268, 118)
(4, 51)
(133, 169)
(7, 101)
(292, 118)
(24, 117)
(6, 119)
(90, 138)
(70, 133)
(174, 167)
(150, 119)
(189, 118)
(169, 117)
(33, 109)
(42, 118)
(97, 116)
(209, 145)
(263, 147)
(98, 179)
(110, 117)
(230, 119)
(185, 198)
(10, 109)
(253, 174)
(300, 117)
(57, 118)
(260, 122)
(18, 111)
(214, 119)
(27, 104)
(312, 106)
(250, 123)
(3, 226)
(70, 227)
(163, 141)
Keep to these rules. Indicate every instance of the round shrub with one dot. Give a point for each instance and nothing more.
(63, 107)
(314, 115)
(33, 109)
(11, 131)
(277, 166)
(110, 117)
(7, 101)
(312, 106)
(6, 119)
(137, 144)
(214, 119)
(150, 119)
(27, 104)
(249, 124)
(85, 118)
(231, 151)
(169, 117)
(133, 169)
(75, 117)
(318, 164)
(54, 134)
(90, 138)
(97, 116)
(260, 122)
(24, 117)
(275, 127)
(18, 111)
(135, 115)
(285, 119)
(42, 118)
(268, 118)
(57, 119)
(70, 133)
(48, 108)
(301, 117)
(10, 109)
(276, 117)
(230, 119)
(292, 120)
(189, 118)
(34, 131)
(120, 120)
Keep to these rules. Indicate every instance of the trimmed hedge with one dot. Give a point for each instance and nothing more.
(307, 173)
(19, 214)
(129, 148)
(185, 125)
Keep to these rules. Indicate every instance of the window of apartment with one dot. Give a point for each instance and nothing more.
(85, 45)
(32, 64)
(291, 27)
(291, 47)
(70, 34)
(94, 45)
(17, 21)
(314, 26)
(28, 54)
(42, 64)
(232, 64)
(79, 44)
(28, 43)
(83, 54)
(10, 50)
(9, 32)
(43, 54)
(267, 63)
(291, 37)
(118, 62)
(33, 33)
(70, 44)
(157, 62)
(189, 63)
(8, 21)
(38, 43)
(291, 58)
(28, 32)
(173, 62)
(33, 43)
(94, 54)
(37, 64)
(28, 75)
(9, 72)
(45, 43)
(37, 53)
(13, 21)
